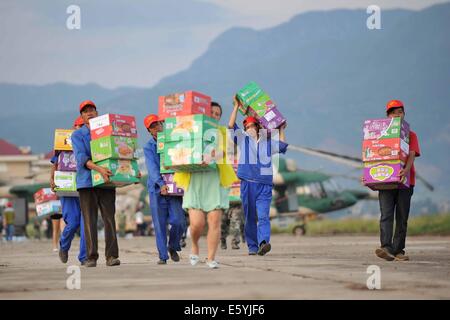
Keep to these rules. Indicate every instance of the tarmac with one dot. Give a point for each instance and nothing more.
(334, 267)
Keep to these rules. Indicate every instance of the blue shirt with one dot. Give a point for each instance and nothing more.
(255, 159)
(152, 161)
(81, 144)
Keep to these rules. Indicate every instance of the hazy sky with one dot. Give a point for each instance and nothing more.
(120, 44)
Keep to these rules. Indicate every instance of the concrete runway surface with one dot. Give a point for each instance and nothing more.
(332, 267)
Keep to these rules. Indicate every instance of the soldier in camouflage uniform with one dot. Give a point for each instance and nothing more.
(232, 223)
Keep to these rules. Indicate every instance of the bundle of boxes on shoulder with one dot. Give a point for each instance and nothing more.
(385, 152)
(65, 174)
(47, 203)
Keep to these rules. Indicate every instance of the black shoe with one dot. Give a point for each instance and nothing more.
(90, 263)
(223, 244)
(264, 248)
(63, 256)
(174, 255)
(161, 261)
(111, 262)
(252, 253)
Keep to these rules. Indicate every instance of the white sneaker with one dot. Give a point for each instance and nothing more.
(194, 259)
(212, 264)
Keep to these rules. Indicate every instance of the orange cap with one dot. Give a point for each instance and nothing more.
(148, 120)
(394, 104)
(78, 122)
(86, 103)
(249, 120)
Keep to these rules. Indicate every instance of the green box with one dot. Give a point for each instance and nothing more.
(163, 169)
(191, 127)
(113, 147)
(188, 155)
(124, 172)
(66, 184)
(261, 105)
(161, 138)
(249, 94)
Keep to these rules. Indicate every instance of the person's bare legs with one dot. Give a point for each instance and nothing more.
(196, 226)
(56, 232)
(213, 238)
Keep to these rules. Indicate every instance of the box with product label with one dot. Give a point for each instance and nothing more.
(113, 125)
(384, 175)
(385, 149)
(387, 128)
(185, 103)
(124, 172)
(63, 140)
(67, 161)
(249, 94)
(113, 147)
(235, 194)
(261, 105)
(190, 155)
(160, 140)
(44, 195)
(173, 190)
(272, 119)
(163, 168)
(190, 127)
(48, 208)
(66, 184)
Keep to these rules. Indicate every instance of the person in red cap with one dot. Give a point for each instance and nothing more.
(396, 203)
(165, 209)
(255, 171)
(92, 199)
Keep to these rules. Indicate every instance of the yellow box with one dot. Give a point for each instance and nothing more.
(63, 140)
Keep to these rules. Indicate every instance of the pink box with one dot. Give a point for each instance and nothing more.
(272, 119)
(383, 175)
(67, 161)
(113, 125)
(386, 128)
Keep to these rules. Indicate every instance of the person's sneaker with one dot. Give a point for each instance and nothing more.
(161, 261)
(174, 255)
(63, 256)
(212, 264)
(401, 257)
(252, 253)
(264, 248)
(90, 263)
(235, 246)
(111, 262)
(223, 244)
(194, 259)
(384, 253)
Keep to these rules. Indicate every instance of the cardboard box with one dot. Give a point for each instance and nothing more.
(161, 138)
(181, 104)
(173, 189)
(48, 208)
(261, 105)
(387, 128)
(249, 94)
(113, 125)
(385, 149)
(189, 154)
(124, 172)
(384, 175)
(272, 119)
(66, 184)
(67, 161)
(44, 195)
(191, 127)
(63, 140)
(113, 147)
(235, 194)
(163, 168)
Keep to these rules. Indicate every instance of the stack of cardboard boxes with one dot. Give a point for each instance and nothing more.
(113, 146)
(65, 175)
(258, 104)
(385, 152)
(47, 203)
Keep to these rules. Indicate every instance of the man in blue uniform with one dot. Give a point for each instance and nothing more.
(165, 209)
(256, 174)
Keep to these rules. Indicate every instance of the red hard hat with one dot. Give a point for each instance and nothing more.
(78, 122)
(148, 120)
(394, 104)
(9, 205)
(249, 120)
(86, 103)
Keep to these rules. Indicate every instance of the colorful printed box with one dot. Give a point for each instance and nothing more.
(48, 208)
(163, 168)
(190, 153)
(113, 125)
(191, 127)
(67, 161)
(385, 149)
(44, 195)
(63, 140)
(181, 104)
(272, 119)
(124, 172)
(388, 128)
(249, 94)
(172, 186)
(113, 147)
(384, 175)
(161, 138)
(66, 184)
(261, 105)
